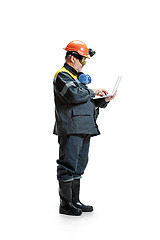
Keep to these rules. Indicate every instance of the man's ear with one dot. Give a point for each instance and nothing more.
(72, 59)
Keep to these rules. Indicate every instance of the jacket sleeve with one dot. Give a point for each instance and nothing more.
(100, 103)
(70, 90)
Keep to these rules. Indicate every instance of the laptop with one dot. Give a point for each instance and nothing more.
(113, 91)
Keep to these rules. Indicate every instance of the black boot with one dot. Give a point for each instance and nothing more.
(75, 197)
(66, 206)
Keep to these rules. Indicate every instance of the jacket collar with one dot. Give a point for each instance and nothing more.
(71, 69)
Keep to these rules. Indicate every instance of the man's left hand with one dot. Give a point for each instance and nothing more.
(107, 99)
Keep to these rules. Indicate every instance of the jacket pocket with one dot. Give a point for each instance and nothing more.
(77, 112)
(82, 120)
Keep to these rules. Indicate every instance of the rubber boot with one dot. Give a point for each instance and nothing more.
(75, 197)
(66, 206)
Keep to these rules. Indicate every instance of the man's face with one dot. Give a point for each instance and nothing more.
(78, 64)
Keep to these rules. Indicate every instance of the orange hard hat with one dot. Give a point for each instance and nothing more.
(78, 46)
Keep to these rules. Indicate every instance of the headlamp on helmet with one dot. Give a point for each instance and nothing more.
(91, 52)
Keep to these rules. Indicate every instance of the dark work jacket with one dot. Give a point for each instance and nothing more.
(75, 110)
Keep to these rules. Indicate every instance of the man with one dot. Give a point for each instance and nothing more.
(76, 112)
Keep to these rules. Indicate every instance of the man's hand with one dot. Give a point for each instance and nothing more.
(107, 99)
(100, 91)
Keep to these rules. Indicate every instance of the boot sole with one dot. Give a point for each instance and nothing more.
(84, 208)
(87, 210)
(62, 211)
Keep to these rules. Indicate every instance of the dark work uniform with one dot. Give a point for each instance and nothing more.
(76, 114)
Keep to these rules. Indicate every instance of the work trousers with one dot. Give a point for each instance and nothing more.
(73, 156)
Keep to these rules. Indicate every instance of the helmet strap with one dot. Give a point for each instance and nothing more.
(75, 54)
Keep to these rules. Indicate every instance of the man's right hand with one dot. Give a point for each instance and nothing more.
(100, 91)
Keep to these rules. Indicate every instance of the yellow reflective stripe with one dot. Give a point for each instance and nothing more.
(63, 69)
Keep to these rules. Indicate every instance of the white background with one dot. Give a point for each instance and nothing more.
(122, 178)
